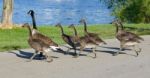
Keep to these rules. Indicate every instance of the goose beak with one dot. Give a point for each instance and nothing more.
(29, 12)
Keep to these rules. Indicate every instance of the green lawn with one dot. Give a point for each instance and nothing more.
(17, 37)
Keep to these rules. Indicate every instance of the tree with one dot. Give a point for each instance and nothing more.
(7, 14)
(135, 11)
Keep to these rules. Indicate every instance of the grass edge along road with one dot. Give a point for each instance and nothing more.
(16, 38)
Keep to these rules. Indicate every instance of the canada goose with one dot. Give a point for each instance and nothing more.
(84, 42)
(68, 39)
(38, 45)
(31, 13)
(93, 36)
(82, 21)
(126, 38)
(76, 37)
(38, 35)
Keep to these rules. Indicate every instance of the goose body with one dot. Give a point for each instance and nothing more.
(38, 45)
(68, 39)
(84, 41)
(37, 35)
(126, 38)
(93, 36)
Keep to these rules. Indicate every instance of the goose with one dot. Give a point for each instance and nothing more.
(76, 37)
(82, 21)
(93, 36)
(83, 42)
(68, 39)
(37, 35)
(126, 39)
(31, 13)
(38, 45)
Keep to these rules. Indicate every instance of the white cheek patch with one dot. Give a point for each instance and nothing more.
(34, 31)
(131, 43)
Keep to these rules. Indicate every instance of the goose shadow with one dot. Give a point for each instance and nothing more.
(112, 52)
(89, 50)
(103, 51)
(115, 48)
(72, 53)
(109, 52)
(27, 55)
(69, 52)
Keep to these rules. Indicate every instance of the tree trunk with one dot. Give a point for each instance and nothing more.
(7, 14)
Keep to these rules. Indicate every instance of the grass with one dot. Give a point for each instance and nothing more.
(17, 38)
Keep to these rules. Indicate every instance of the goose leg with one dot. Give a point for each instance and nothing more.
(32, 56)
(121, 48)
(93, 51)
(41, 54)
(67, 51)
(47, 55)
(48, 58)
(75, 53)
(78, 54)
(137, 51)
(75, 50)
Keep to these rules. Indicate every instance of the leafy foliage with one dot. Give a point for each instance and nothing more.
(135, 11)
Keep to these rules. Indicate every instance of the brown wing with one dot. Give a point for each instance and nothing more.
(91, 34)
(128, 36)
(85, 39)
(95, 38)
(68, 39)
(37, 44)
(44, 38)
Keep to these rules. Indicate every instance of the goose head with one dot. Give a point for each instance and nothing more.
(116, 23)
(31, 12)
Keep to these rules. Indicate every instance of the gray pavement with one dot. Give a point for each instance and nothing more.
(13, 64)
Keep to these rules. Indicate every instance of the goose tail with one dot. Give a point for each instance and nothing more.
(56, 48)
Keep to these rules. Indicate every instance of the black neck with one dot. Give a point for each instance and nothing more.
(33, 21)
(75, 31)
(121, 26)
(85, 27)
(118, 28)
(62, 31)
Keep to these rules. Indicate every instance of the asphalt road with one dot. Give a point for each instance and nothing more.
(13, 64)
